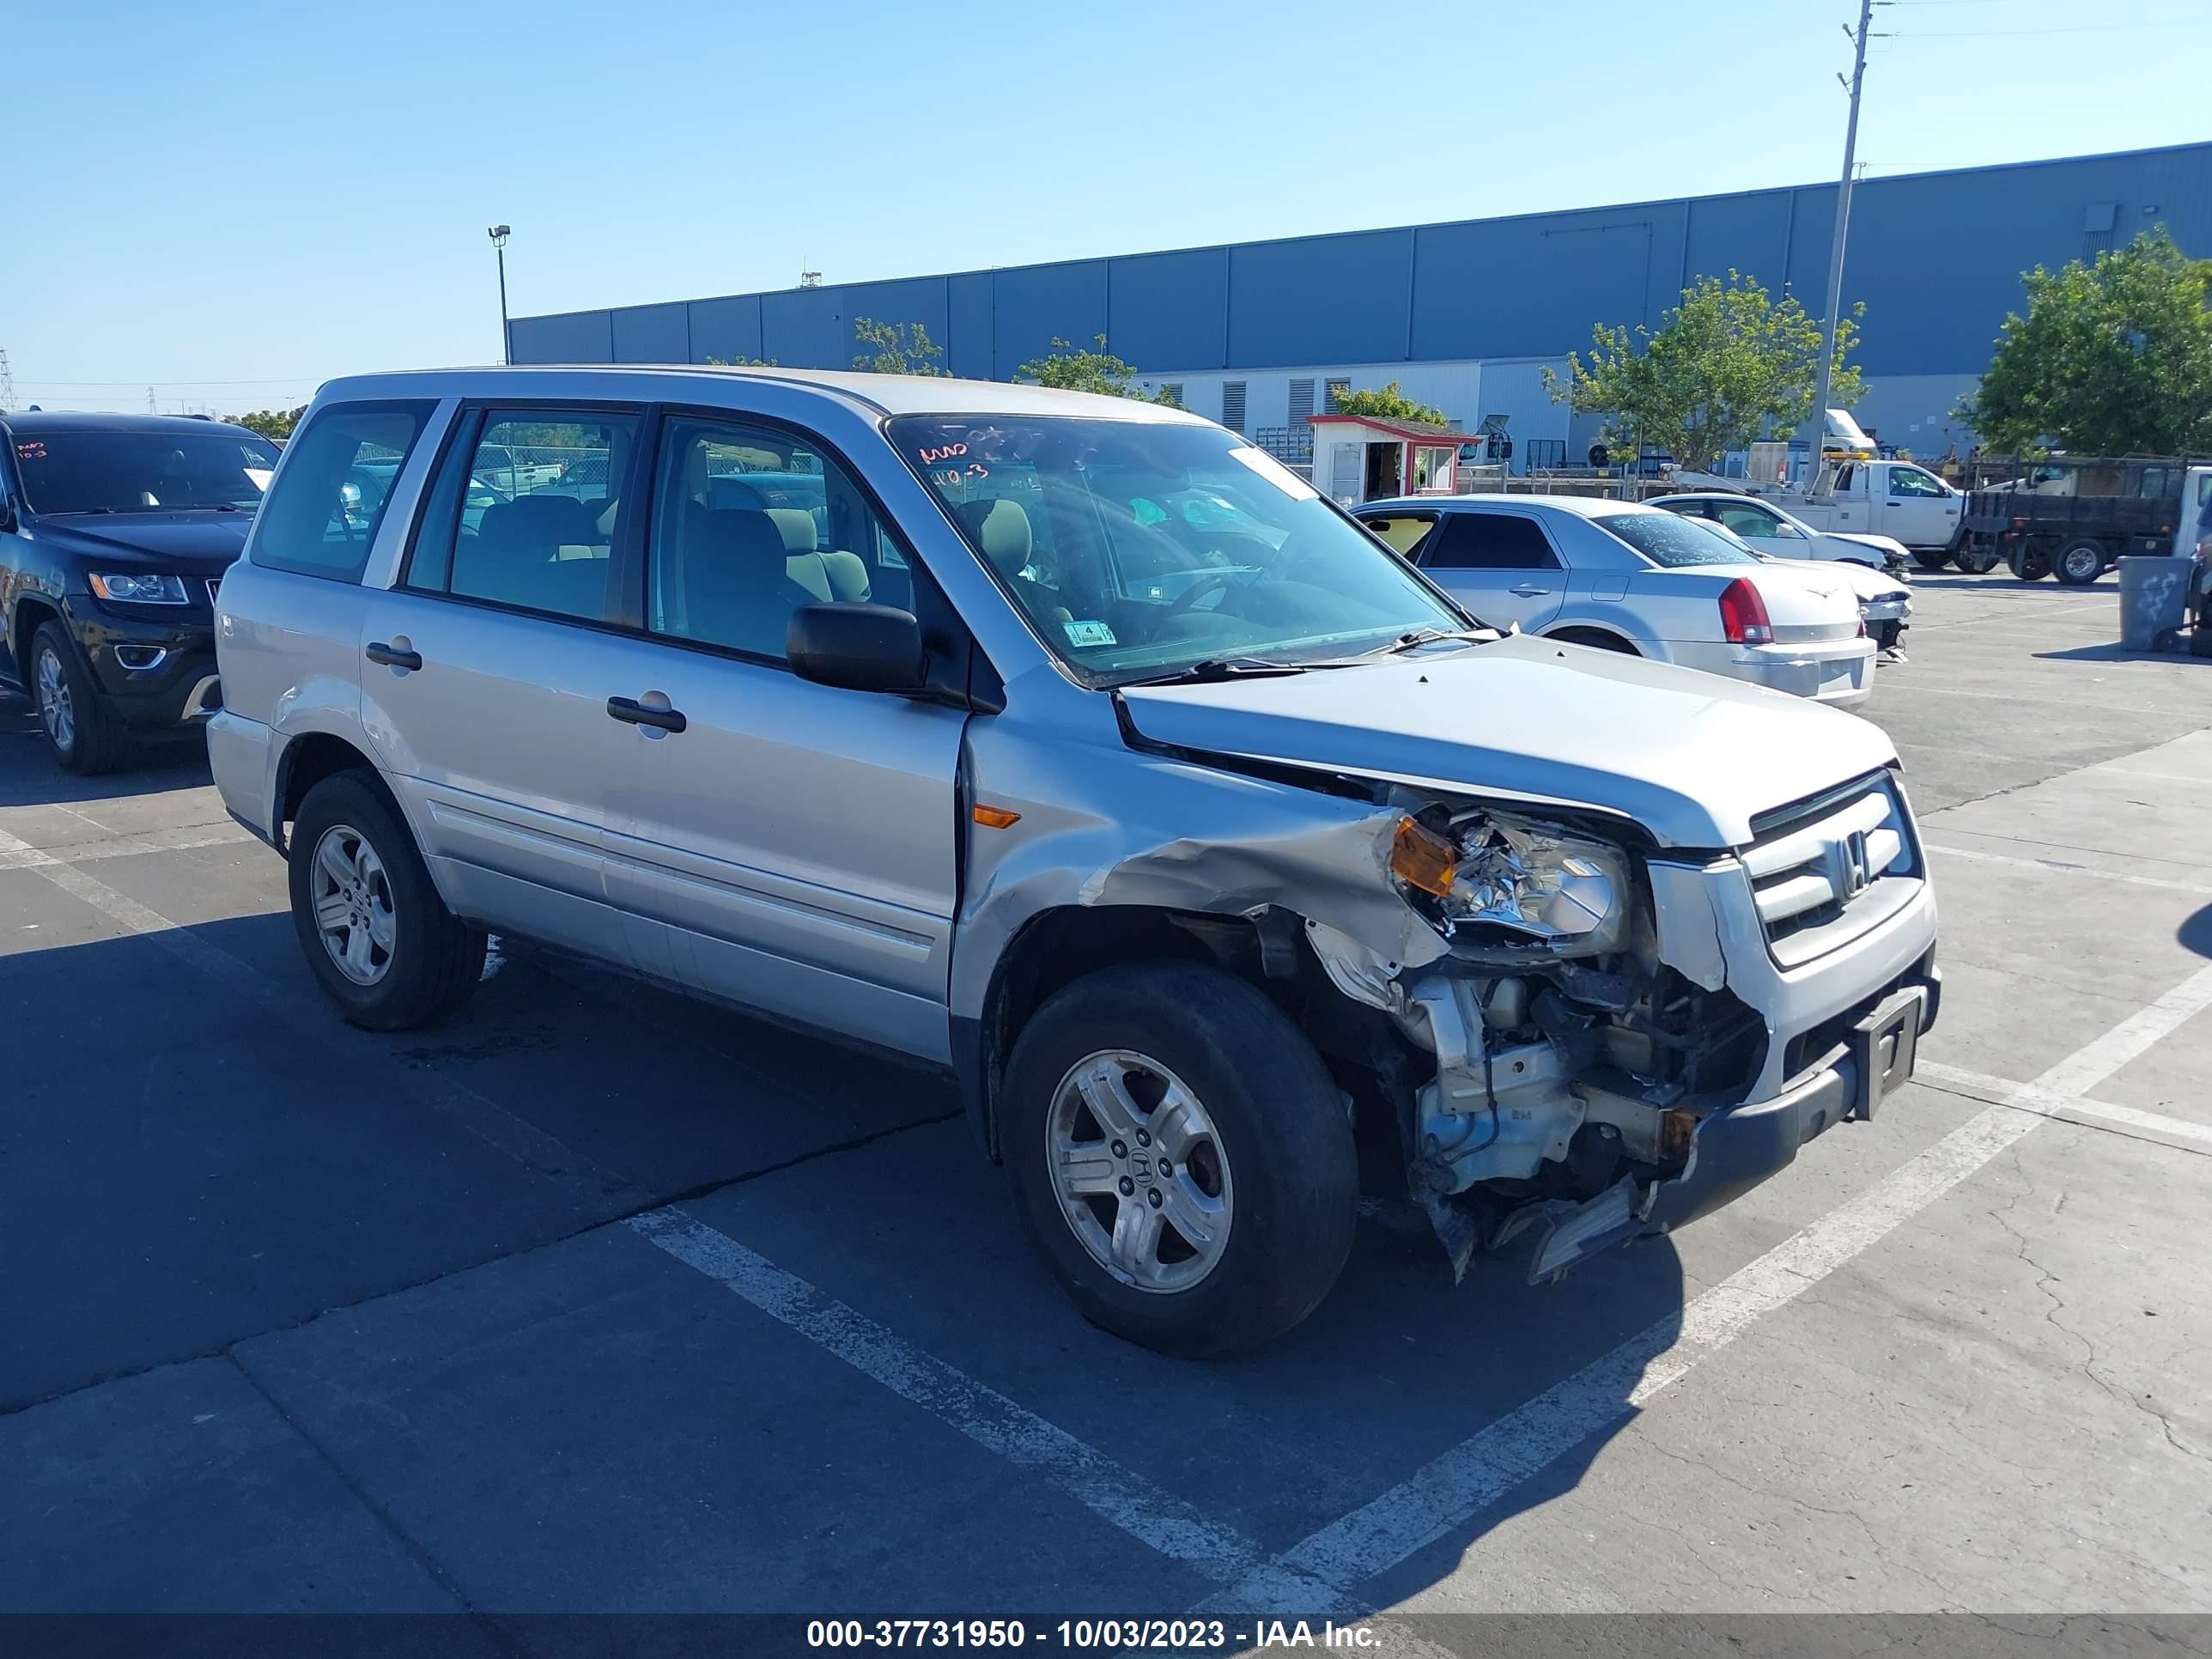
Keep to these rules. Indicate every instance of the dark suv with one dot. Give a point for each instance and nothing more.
(115, 531)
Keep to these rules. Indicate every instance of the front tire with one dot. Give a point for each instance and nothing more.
(377, 937)
(81, 734)
(1180, 1158)
(1975, 561)
(2080, 562)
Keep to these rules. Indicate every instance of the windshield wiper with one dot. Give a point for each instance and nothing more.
(1421, 636)
(1214, 670)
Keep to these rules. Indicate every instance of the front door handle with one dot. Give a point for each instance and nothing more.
(634, 713)
(1530, 590)
(381, 653)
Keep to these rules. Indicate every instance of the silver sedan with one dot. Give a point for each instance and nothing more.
(1622, 577)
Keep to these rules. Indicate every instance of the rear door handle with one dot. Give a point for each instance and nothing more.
(634, 713)
(1530, 590)
(383, 654)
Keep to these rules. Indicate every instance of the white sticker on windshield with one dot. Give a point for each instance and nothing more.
(1274, 472)
(1089, 633)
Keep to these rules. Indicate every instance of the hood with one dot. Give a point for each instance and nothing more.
(1690, 757)
(201, 542)
(1888, 546)
(1866, 583)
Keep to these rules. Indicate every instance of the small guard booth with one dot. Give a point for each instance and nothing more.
(1360, 458)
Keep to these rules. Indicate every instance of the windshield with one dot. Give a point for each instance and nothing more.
(1670, 541)
(1138, 549)
(96, 472)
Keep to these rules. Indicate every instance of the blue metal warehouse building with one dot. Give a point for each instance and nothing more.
(1466, 314)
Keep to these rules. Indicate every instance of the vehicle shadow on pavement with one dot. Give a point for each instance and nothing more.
(244, 1164)
(28, 776)
(2196, 934)
(2117, 653)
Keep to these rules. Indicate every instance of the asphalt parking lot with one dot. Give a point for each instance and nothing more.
(597, 1300)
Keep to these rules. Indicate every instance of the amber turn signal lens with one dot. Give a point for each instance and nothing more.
(1421, 858)
(996, 817)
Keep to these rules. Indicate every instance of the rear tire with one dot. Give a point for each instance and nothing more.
(1975, 561)
(1165, 1059)
(1928, 561)
(82, 735)
(377, 937)
(2080, 562)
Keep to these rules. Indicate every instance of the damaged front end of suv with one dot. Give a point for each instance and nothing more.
(1572, 1060)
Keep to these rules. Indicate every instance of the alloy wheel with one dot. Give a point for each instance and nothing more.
(57, 712)
(352, 903)
(1138, 1170)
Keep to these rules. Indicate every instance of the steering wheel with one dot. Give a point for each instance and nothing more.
(1197, 590)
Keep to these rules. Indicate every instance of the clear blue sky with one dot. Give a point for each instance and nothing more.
(278, 193)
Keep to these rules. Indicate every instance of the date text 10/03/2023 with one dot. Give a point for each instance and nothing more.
(1084, 1634)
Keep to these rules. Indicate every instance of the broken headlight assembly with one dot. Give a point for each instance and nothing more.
(1488, 878)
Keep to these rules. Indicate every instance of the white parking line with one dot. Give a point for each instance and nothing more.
(1452, 1489)
(1116, 1495)
(2061, 867)
(2070, 1108)
(16, 855)
(1318, 1574)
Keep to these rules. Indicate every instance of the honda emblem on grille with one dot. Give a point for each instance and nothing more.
(1854, 850)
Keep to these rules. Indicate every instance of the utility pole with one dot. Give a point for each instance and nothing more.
(1842, 228)
(152, 407)
(7, 383)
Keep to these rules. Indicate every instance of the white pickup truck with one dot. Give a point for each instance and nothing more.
(1897, 499)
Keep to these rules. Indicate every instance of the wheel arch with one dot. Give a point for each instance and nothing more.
(1578, 631)
(31, 611)
(305, 762)
(1269, 950)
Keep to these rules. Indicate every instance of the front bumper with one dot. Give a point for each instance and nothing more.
(1735, 1150)
(152, 671)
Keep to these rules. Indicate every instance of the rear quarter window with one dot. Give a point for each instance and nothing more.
(322, 517)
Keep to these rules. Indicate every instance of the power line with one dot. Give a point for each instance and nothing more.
(2084, 29)
(274, 379)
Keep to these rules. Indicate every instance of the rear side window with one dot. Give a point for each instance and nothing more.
(1404, 531)
(524, 513)
(1488, 541)
(322, 517)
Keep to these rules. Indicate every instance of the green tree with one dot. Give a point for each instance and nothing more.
(1091, 369)
(2113, 358)
(277, 423)
(1388, 404)
(1725, 366)
(741, 362)
(898, 348)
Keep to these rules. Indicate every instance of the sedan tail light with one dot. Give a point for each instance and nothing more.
(1743, 615)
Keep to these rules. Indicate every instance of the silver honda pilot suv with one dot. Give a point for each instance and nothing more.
(1076, 746)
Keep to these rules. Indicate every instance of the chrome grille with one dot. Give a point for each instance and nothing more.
(1825, 873)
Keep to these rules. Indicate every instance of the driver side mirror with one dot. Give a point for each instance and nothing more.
(861, 648)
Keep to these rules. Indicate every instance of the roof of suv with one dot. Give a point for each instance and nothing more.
(887, 394)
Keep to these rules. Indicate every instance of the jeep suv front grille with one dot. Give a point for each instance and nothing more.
(1829, 870)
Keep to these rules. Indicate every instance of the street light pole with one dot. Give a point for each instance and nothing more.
(499, 234)
(1843, 227)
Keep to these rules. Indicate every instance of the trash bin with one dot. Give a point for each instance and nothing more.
(2154, 597)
